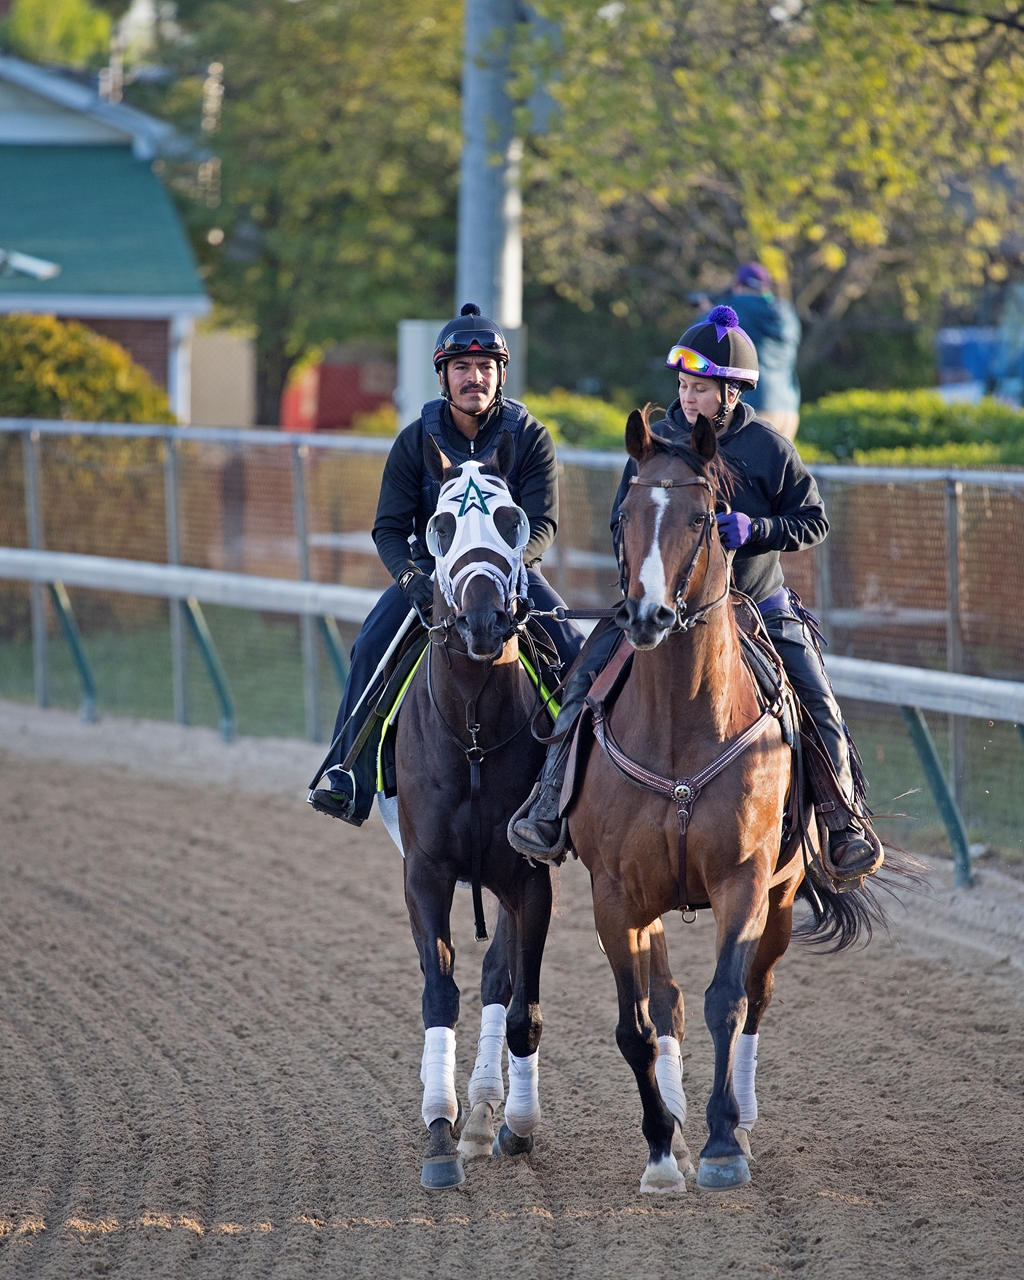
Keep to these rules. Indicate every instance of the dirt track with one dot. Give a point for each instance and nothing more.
(210, 1030)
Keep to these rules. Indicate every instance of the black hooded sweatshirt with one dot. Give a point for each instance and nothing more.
(770, 482)
(406, 503)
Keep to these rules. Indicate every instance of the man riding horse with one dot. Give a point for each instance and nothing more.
(775, 507)
(471, 361)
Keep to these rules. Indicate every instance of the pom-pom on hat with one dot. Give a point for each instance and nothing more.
(717, 348)
(470, 332)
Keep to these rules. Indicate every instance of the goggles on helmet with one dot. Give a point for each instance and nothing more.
(693, 362)
(489, 342)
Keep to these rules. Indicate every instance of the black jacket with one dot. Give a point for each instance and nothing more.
(407, 497)
(770, 482)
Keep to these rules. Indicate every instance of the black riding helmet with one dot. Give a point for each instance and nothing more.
(717, 348)
(471, 333)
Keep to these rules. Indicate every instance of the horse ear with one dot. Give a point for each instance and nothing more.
(505, 453)
(638, 436)
(434, 460)
(703, 438)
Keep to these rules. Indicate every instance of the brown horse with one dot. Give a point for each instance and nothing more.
(706, 838)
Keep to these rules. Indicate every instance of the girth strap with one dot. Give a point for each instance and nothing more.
(684, 791)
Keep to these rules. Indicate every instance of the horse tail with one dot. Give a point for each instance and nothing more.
(839, 920)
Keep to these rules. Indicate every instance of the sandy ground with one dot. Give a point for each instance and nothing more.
(209, 1016)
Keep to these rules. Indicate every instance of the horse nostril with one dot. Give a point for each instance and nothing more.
(625, 614)
(663, 617)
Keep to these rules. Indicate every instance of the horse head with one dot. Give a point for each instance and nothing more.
(665, 521)
(477, 535)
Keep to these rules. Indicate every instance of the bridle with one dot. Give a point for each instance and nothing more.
(685, 620)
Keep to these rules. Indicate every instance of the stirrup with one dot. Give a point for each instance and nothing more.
(533, 852)
(844, 881)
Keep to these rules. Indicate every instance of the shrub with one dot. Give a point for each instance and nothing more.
(52, 369)
(917, 427)
(586, 422)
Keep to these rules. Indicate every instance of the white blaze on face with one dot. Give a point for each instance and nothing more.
(652, 571)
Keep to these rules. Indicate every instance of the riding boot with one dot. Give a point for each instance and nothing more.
(854, 850)
(536, 830)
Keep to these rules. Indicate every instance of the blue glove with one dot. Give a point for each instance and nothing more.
(734, 529)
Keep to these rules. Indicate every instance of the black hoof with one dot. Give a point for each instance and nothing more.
(722, 1173)
(441, 1173)
(508, 1143)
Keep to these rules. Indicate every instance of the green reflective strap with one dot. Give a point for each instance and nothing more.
(552, 706)
(392, 717)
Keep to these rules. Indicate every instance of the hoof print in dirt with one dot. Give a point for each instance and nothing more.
(508, 1143)
(722, 1173)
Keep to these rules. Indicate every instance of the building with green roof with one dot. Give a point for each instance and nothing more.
(78, 190)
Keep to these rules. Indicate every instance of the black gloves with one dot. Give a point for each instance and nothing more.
(418, 589)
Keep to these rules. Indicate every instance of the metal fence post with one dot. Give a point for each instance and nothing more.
(952, 820)
(823, 575)
(177, 608)
(34, 520)
(954, 629)
(307, 624)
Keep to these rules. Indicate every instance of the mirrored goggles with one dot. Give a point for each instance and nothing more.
(693, 362)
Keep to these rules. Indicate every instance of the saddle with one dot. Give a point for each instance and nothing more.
(815, 793)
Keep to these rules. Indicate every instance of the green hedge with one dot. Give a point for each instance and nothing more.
(585, 422)
(910, 428)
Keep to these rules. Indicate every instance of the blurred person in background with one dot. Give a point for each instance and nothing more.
(774, 329)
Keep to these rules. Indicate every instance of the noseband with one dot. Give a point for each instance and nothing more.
(684, 619)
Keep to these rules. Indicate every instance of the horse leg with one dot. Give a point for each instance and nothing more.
(428, 894)
(723, 1164)
(525, 1023)
(666, 1010)
(760, 985)
(629, 956)
(486, 1086)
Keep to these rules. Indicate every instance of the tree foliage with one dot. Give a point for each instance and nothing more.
(849, 145)
(53, 369)
(334, 174)
(66, 32)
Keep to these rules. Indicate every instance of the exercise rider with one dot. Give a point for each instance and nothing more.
(775, 507)
(471, 360)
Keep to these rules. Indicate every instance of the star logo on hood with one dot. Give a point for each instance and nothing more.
(473, 498)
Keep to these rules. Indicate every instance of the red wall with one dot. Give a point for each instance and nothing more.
(324, 397)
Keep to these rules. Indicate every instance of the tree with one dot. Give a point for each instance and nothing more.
(851, 146)
(66, 32)
(324, 206)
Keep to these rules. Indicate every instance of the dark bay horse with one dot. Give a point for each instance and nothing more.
(704, 838)
(465, 761)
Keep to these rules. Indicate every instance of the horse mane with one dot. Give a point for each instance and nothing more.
(715, 469)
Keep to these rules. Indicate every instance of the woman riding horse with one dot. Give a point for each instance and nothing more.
(471, 360)
(775, 508)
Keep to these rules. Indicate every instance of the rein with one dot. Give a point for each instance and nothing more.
(475, 756)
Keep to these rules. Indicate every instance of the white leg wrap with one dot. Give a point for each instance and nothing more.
(668, 1071)
(522, 1110)
(744, 1068)
(486, 1083)
(437, 1072)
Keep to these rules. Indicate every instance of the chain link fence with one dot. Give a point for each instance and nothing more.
(921, 568)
